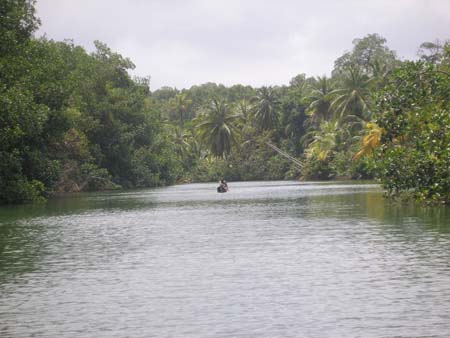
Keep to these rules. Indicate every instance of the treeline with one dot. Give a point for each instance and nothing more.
(375, 117)
(73, 121)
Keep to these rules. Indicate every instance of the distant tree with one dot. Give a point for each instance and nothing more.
(180, 106)
(239, 92)
(321, 146)
(293, 104)
(165, 93)
(432, 52)
(321, 97)
(266, 108)
(217, 127)
(353, 98)
(368, 54)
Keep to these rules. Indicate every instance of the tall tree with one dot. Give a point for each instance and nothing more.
(217, 127)
(266, 108)
(324, 140)
(293, 104)
(353, 97)
(320, 107)
(432, 52)
(181, 104)
(367, 53)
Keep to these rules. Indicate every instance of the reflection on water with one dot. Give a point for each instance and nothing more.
(267, 259)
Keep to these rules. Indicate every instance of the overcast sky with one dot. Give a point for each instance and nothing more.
(180, 43)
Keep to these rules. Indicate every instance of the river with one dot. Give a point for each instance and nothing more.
(266, 259)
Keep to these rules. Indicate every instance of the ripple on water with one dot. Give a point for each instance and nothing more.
(267, 259)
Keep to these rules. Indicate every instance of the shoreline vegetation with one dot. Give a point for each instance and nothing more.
(72, 121)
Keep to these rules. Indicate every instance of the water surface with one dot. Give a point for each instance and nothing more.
(267, 259)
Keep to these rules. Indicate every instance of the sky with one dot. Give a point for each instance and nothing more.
(181, 43)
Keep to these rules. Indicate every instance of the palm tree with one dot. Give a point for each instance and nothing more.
(319, 109)
(266, 108)
(180, 106)
(244, 108)
(324, 141)
(217, 127)
(180, 140)
(352, 99)
(370, 140)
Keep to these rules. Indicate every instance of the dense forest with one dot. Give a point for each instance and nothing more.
(76, 121)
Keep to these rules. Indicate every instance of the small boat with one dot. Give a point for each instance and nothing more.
(223, 186)
(221, 189)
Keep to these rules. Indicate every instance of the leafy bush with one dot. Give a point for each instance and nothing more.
(414, 155)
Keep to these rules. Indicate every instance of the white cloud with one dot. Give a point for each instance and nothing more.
(183, 43)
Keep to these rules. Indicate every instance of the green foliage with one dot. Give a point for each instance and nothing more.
(14, 186)
(208, 170)
(321, 150)
(369, 54)
(94, 178)
(293, 105)
(266, 108)
(17, 24)
(321, 96)
(337, 117)
(415, 113)
(73, 121)
(352, 97)
(179, 108)
(217, 127)
(254, 160)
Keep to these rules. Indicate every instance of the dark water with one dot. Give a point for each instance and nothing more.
(273, 259)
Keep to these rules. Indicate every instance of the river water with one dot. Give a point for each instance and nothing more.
(266, 259)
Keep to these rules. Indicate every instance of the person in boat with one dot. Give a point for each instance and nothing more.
(223, 186)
